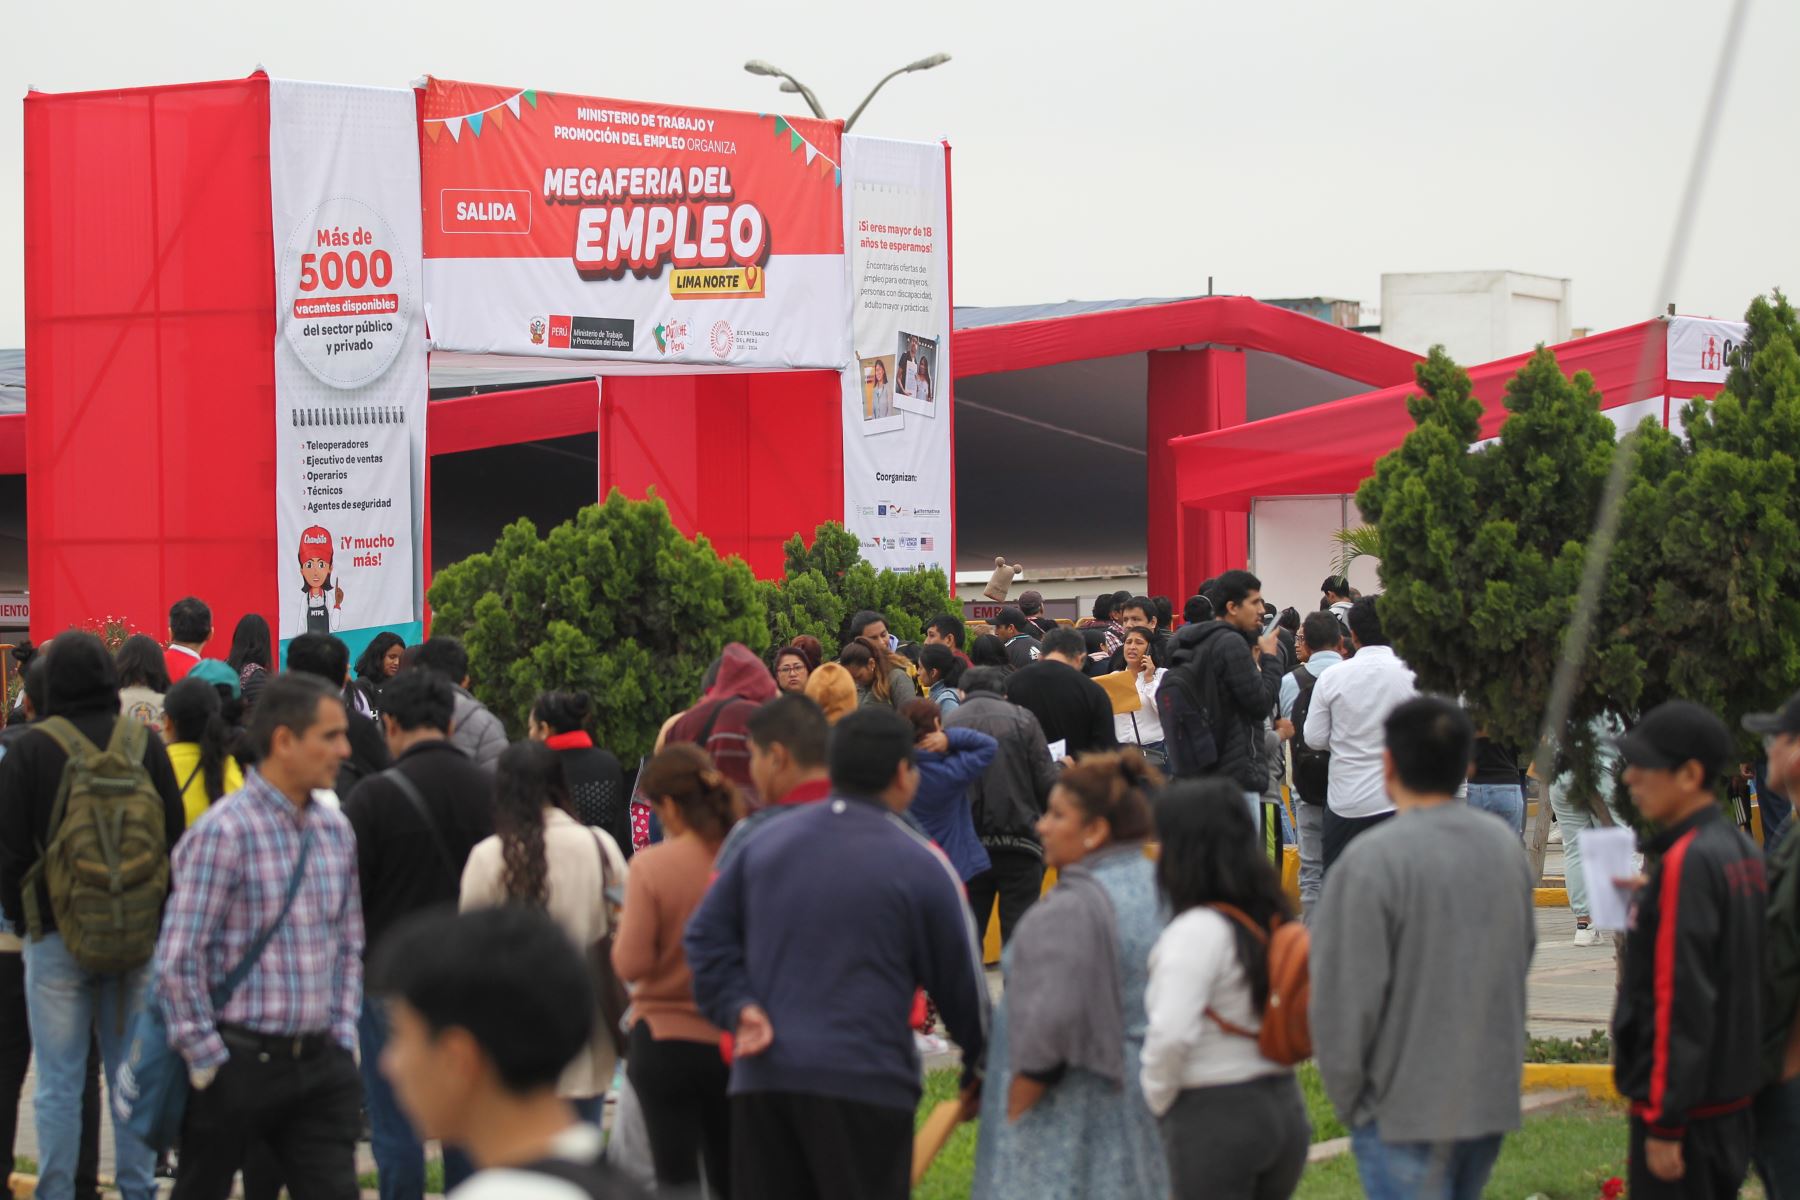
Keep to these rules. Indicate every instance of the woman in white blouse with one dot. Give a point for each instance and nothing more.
(1142, 728)
(541, 857)
(1233, 1123)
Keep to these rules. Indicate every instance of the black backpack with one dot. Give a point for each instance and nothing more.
(599, 1180)
(1312, 768)
(1183, 705)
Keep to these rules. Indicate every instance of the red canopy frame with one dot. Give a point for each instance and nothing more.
(1331, 449)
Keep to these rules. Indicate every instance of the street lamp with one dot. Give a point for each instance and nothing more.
(757, 66)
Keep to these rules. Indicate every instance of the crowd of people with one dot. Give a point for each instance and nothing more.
(346, 892)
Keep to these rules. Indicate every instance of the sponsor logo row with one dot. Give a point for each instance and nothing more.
(897, 510)
(561, 331)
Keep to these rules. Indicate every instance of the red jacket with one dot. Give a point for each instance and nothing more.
(719, 723)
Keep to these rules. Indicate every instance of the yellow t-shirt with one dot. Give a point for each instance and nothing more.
(184, 757)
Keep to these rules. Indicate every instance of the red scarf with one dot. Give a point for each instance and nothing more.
(576, 739)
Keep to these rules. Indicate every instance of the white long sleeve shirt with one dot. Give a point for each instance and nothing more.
(1350, 703)
(1147, 730)
(1194, 966)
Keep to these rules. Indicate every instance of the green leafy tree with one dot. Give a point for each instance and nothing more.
(828, 582)
(1713, 529)
(1482, 550)
(616, 602)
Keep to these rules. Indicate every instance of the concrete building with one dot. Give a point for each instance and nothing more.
(1477, 316)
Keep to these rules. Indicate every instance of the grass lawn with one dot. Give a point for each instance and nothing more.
(1565, 1154)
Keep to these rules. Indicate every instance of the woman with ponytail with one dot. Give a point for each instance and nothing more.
(1062, 1114)
(1233, 1121)
(597, 796)
(674, 1062)
(200, 746)
(540, 856)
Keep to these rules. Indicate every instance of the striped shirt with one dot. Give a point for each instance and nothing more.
(231, 874)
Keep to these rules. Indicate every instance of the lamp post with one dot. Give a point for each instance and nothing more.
(757, 66)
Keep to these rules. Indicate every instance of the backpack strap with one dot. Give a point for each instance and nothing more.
(712, 718)
(74, 744)
(410, 790)
(1242, 918)
(129, 738)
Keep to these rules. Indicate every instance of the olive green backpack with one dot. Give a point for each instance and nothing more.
(106, 867)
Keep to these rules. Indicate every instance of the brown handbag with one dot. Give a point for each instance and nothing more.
(611, 999)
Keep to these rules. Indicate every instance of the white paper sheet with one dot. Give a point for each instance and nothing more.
(1606, 855)
(1058, 750)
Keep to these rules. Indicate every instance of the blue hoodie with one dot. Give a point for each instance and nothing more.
(942, 806)
(829, 920)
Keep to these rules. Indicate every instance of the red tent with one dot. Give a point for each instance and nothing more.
(1640, 370)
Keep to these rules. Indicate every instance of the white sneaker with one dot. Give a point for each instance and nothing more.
(1587, 935)
(1555, 835)
(930, 1044)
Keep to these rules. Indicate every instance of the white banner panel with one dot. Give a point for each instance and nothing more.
(580, 227)
(898, 460)
(1700, 348)
(350, 368)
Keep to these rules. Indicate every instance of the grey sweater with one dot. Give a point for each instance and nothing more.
(476, 731)
(1420, 948)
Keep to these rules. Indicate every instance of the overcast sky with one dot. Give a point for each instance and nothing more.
(1124, 149)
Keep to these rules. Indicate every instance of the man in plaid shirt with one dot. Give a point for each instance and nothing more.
(276, 1064)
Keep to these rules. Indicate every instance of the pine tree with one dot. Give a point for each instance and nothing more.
(616, 602)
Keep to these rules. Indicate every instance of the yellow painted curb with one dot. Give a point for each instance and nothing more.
(1596, 1079)
(1551, 897)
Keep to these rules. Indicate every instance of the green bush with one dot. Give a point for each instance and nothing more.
(827, 583)
(616, 602)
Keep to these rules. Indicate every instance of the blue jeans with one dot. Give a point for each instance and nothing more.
(66, 1006)
(1778, 1140)
(1504, 800)
(1572, 816)
(1423, 1170)
(1311, 820)
(399, 1155)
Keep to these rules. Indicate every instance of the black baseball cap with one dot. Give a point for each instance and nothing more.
(1670, 734)
(1786, 720)
(1012, 617)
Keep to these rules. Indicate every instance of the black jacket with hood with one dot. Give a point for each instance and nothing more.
(1010, 796)
(1239, 692)
(1687, 1029)
(82, 688)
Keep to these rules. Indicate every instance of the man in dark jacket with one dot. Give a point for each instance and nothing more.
(1237, 677)
(1687, 1026)
(809, 946)
(325, 656)
(719, 724)
(66, 1002)
(15, 1021)
(1072, 708)
(1016, 630)
(1778, 1105)
(412, 843)
(1008, 799)
(1031, 603)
